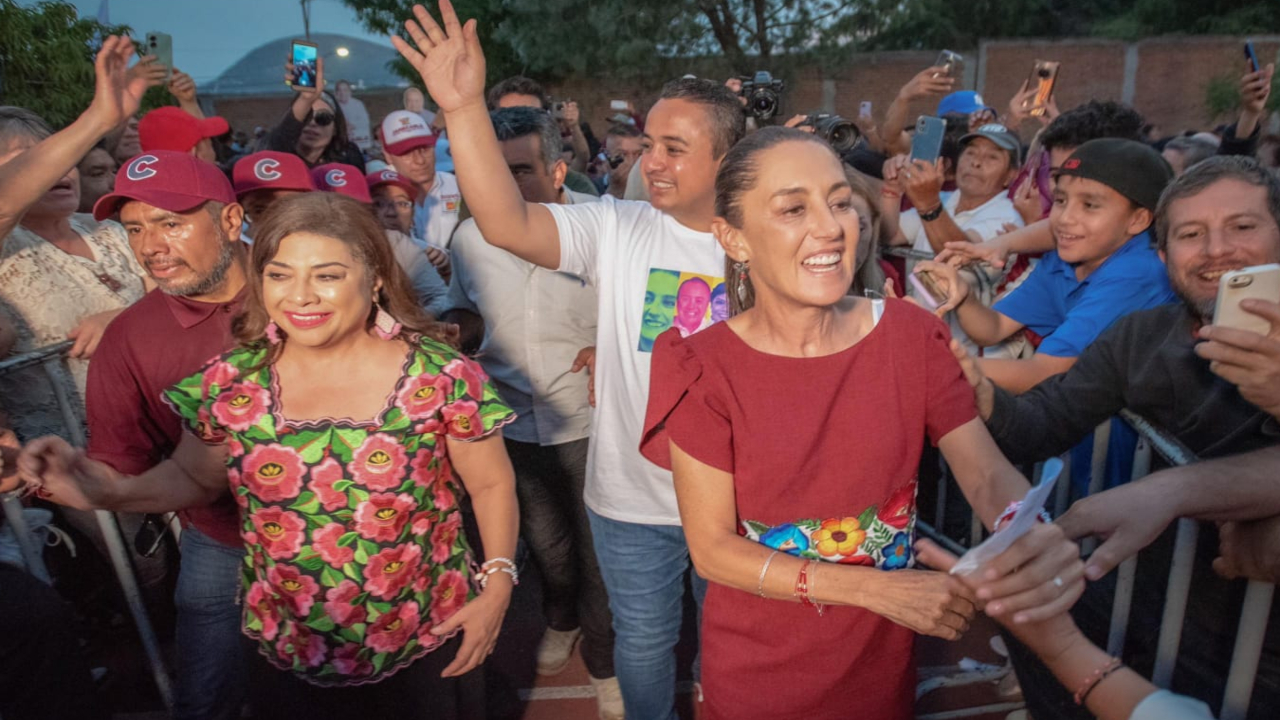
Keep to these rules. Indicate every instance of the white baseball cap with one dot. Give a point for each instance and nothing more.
(404, 131)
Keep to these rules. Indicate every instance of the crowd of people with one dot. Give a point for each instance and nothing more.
(372, 364)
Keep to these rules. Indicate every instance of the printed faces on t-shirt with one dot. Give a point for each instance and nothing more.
(687, 301)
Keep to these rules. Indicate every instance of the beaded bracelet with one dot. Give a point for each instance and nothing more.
(484, 576)
(802, 588)
(1012, 510)
(763, 570)
(1096, 677)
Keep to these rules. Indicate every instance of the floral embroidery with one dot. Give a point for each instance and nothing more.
(353, 532)
(879, 537)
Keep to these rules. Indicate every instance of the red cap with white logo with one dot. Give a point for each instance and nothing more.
(167, 179)
(271, 170)
(343, 179)
(404, 131)
(377, 179)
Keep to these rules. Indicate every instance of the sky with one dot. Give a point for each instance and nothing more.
(210, 35)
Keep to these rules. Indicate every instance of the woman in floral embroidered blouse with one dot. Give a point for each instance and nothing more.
(794, 430)
(339, 437)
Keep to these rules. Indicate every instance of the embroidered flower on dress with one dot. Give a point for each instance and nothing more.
(462, 419)
(383, 516)
(273, 472)
(448, 596)
(392, 630)
(280, 531)
(261, 604)
(296, 589)
(323, 476)
(347, 661)
(898, 510)
(240, 406)
(423, 396)
(391, 570)
(468, 372)
(301, 645)
(325, 542)
(787, 537)
(838, 536)
(338, 604)
(221, 373)
(443, 538)
(897, 554)
(379, 463)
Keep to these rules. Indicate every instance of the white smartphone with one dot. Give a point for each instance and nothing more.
(864, 109)
(1261, 282)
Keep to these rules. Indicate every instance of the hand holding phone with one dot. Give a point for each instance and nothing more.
(1261, 282)
(924, 289)
(1044, 76)
(926, 144)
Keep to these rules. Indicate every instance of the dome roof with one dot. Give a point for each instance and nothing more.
(261, 70)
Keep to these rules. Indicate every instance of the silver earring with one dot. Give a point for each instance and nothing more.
(742, 269)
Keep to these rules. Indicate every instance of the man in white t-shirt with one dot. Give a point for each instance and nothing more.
(409, 146)
(358, 129)
(618, 247)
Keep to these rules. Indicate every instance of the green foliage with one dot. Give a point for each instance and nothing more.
(46, 59)
(1222, 96)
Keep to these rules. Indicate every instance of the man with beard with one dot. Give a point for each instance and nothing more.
(1216, 389)
(184, 225)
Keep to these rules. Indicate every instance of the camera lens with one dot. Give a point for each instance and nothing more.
(1044, 72)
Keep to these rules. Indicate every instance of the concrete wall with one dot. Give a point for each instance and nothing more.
(1164, 78)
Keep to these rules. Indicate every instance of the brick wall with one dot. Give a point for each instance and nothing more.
(1171, 75)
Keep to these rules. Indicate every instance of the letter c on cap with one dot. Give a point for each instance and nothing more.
(140, 169)
(336, 178)
(265, 169)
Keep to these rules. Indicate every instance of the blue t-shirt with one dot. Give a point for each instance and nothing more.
(1069, 314)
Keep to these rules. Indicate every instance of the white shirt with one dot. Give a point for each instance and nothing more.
(358, 120)
(435, 214)
(535, 322)
(986, 220)
(426, 282)
(615, 245)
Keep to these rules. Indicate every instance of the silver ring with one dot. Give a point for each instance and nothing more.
(1057, 582)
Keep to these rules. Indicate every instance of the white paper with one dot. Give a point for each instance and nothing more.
(1018, 525)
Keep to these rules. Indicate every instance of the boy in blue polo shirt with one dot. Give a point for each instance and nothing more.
(1104, 265)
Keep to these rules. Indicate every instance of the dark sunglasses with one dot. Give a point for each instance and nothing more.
(322, 118)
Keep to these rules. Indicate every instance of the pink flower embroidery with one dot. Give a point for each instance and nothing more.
(443, 538)
(470, 373)
(240, 406)
(301, 646)
(280, 532)
(339, 607)
(442, 493)
(298, 591)
(273, 472)
(462, 419)
(347, 661)
(428, 465)
(204, 427)
(898, 510)
(261, 604)
(425, 637)
(422, 522)
(423, 395)
(379, 463)
(221, 373)
(383, 516)
(448, 596)
(325, 542)
(391, 570)
(392, 630)
(323, 476)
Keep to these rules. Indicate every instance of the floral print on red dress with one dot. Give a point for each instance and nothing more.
(353, 532)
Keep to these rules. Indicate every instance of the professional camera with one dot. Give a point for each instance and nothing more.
(839, 133)
(763, 95)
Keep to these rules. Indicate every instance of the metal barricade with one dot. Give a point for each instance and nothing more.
(50, 358)
(1255, 610)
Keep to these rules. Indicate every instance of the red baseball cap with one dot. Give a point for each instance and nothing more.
(404, 131)
(377, 179)
(168, 179)
(343, 179)
(271, 170)
(171, 128)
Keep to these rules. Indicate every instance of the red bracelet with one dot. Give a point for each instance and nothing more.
(1096, 677)
(886, 192)
(802, 588)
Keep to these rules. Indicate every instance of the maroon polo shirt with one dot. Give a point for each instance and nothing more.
(153, 344)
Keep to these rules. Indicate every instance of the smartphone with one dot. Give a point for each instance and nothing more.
(864, 109)
(617, 104)
(161, 45)
(1251, 56)
(926, 144)
(952, 62)
(304, 64)
(926, 290)
(1044, 75)
(1261, 282)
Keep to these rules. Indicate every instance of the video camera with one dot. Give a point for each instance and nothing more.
(839, 133)
(763, 94)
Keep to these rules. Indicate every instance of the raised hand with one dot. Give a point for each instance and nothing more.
(948, 280)
(450, 59)
(959, 254)
(1127, 518)
(118, 89)
(182, 87)
(932, 81)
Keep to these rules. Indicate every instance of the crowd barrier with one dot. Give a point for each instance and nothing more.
(50, 358)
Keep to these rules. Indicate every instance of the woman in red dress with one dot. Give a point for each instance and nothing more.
(794, 430)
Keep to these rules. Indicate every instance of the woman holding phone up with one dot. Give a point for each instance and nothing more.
(794, 431)
(339, 423)
(314, 129)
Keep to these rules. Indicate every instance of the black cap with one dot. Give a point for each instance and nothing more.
(1131, 168)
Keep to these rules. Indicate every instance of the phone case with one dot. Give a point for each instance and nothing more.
(1044, 76)
(161, 45)
(304, 56)
(926, 144)
(1261, 282)
(1251, 56)
(922, 293)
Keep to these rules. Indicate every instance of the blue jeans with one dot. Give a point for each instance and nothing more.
(643, 568)
(212, 680)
